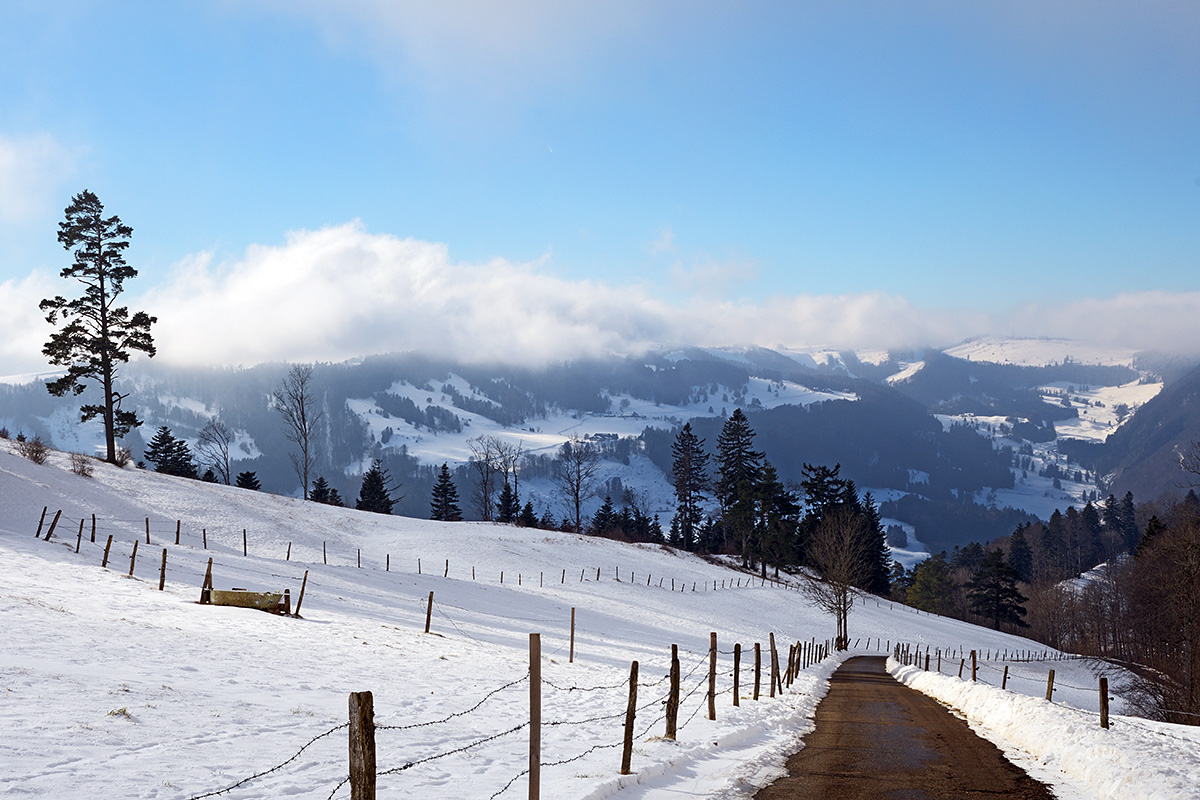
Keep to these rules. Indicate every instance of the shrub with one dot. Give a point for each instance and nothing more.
(3, 432)
(34, 449)
(81, 465)
(124, 456)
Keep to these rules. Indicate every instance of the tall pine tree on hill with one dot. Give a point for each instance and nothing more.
(375, 494)
(169, 455)
(738, 462)
(992, 593)
(689, 473)
(443, 506)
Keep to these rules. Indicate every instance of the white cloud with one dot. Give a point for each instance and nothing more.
(342, 292)
(32, 168)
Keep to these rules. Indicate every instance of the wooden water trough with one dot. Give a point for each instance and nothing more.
(273, 602)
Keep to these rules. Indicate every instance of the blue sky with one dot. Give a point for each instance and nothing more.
(878, 173)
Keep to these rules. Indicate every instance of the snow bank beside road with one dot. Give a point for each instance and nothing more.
(1134, 758)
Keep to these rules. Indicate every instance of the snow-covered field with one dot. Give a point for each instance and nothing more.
(108, 682)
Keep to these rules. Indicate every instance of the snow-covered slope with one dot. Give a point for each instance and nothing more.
(108, 682)
(1039, 352)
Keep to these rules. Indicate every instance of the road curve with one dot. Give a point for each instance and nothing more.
(877, 739)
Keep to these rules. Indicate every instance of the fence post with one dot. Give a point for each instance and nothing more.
(757, 668)
(535, 716)
(1104, 703)
(204, 537)
(737, 667)
(147, 530)
(162, 573)
(206, 587)
(79, 539)
(41, 522)
(712, 675)
(774, 666)
(178, 523)
(53, 524)
(673, 696)
(428, 612)
(324, 556)
(1004, 680)
(362, 746)
(133, 558)
(571, 657)
(288, 557)
(927, 663)
(245, 550)
(93, 528)
(300, 599)
(973, 665)
(104, 563)
(446, 573)
(630, 713)
(962, 662)
(1050, 686)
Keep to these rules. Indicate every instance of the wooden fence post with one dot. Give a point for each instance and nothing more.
(245, 549)
(79, 539)
(41, 522)
(108, 545)
(1004, 680)
(204, 537)
(300, 599)
(535, 716)
(774, 666)
(1050, 686)
(757, 667)
(973, 665)
(927, 662)
(206, 587)
(93, 528)
(712, 675)
(133, 558)
(360, 558)
(178, 523)
(53, 524)
(571, 657)
(324, 556)
(1104, 703)
(962, 662)
(673, 696)
(429, 612)
(446, 573)
(362, 746)
(162, 573)
(630, 713)
(288, 557)
(147, 530)
(737, 666)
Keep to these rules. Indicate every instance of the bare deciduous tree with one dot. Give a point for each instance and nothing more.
(508, 458)
(486, 460)
(835, 551)
(575, 473)
(212, 449)
(297, 402)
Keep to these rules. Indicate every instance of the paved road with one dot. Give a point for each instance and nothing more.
(877, 739)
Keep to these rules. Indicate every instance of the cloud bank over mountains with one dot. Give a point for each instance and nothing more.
(342, 292)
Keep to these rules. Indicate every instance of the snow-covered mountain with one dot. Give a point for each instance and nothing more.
(992, 421)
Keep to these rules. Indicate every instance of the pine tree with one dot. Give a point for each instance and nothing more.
(169, 455)
(547, 522)
(992, 593)
(209, 476)
(323, 493)
(605, 520)
(689, 472)
(443, 506)
(932, 585)
(738, 463)
(248, 480)
(508, 507)
(875, 546)
(778, 516)
(1020, 556)
(98, 335)
(528, 518)
(375, 493)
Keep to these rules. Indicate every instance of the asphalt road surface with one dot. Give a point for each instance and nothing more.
(877, 739)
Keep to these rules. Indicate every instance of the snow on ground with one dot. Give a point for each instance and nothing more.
(1098, 407)
(106, 681)
(1062, 742)
(907, 371)
(1039, 352)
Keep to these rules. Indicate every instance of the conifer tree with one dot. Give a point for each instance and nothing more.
(875, 546)
(508, 507)
(932, 585)
(605, 520)
(528, 518)
(375, 494)
(248, 480)
(689, 473)
(98, 335)
(443, 506)
(323, 493)
(1020, 556)
(739, 465)
(992, 593)
(169, 455)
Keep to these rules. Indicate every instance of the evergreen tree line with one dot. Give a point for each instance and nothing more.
(758, 518)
